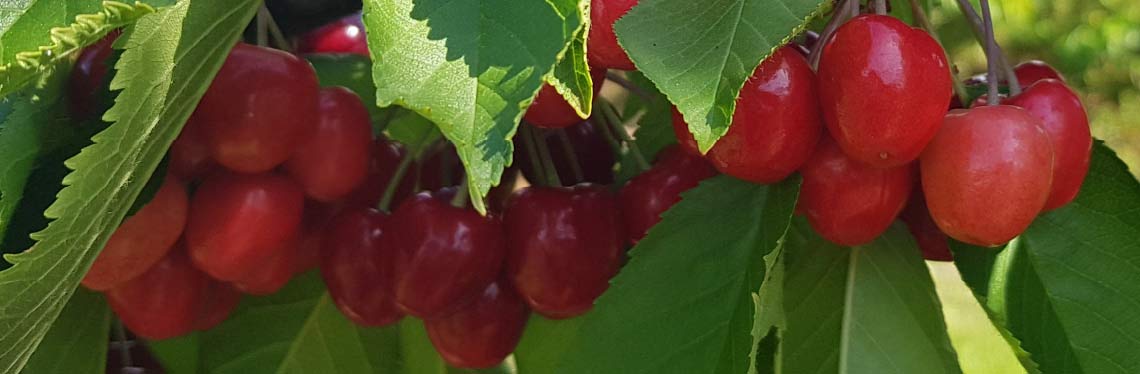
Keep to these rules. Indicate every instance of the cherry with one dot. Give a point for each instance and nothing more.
(1063, 118)
(190, 155)
(358, 267)
(164, 301)
(593, 153)
(987, 174)
(334, 159)
(442, 168)
(386, 158)
(550, 110)
(1032, 71)
(482, 334)
(273, 273)
(848, 202)
(646, 196)
(314, 225)
(931, 240)
(218, 301)
(564, 244)
(776, 124)
(345, 35)
(89, 77)
(142, 239)
(240, 221)
(883, 88)
(444, 255)
(260, 106)
(602, 48)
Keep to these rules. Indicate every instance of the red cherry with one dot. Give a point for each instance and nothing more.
(442, 168)
(444, 255)
(314, 225)
(142, 239)
(345, 35)
(190, 155)
(89, 76)
(776, 124)
(684, 137)
(883, 88)
(848, 202)
(358, 267)
(218, 301)
(260, 106)
(1032, 71)
(273, 273)
(239, 221)
(386, 158)
(163, 302)
(334, 159)
(565, 243)
(646, 196)
(593, 153)
(550, 110)
(987, 174)
(1063, 118)
(482, 334)
(933, 243)
(602, 48)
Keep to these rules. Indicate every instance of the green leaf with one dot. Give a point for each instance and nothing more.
(864, 309)
(178, 355)
(654, 127)
(77, 342)
(700, 52)
(544, 342)
(26, 55)
(415, 132)
(417, 354)
(769, 315)
(161, 76)
(683, 304)
(20, 145)
(469, 66)
(571, 76)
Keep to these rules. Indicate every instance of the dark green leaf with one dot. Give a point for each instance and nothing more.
(415, 132)
(178, 355)
(77, 342)
(544, 342)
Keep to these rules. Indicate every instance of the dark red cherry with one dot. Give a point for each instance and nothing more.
(386, 158)
(190, 155)
(163, 302)
(239, 221)
(550, 110)
(1063, 118)
(934, 244)
(345, 35)
(646, 196)
(142, 239)
(273, 272)
(261, 105)
(484, 332)
(883, 88)
(314, 225)
(334, 159)
(987, 174)
(1032, 71)
(565, 243)
(776, 124)
(444, 255)
(602, 48)
(441, 169)
(848, 202)
(218, 301)
(592, 152)
(358, 266)
(89, 77)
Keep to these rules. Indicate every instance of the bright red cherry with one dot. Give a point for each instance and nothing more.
(987, 174)
(592, 152)
(848, 202)
(1032, 71)
(444, 255)
(776, 124)
(164, 301)
(273, 273)
(646, 196)
(89, 76)
(142, 239)
(218, 301)
(334, 159)
(358, 266)
(482, 334)
(345, 35)
(934, 244)
(190, 155)
(602, 48)
(1063, 118)
(386, 158)
(261, 105)
(883, 88)
(239, 221)
(565, 243)
(550, 110)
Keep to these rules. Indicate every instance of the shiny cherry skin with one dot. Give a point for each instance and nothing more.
(89, 76)
(163, 302)
(1032, 71)
(848, 202)
(239, 221)
(261, 105)
(550, 110)
(987, 174)
(651, 193)
(602, 48)
(593, 153)
(564, 243)
(386, 158)
(883, 88)
(218, 301)
(358, 266)
(484, 332)
(142, 239)
(776, 124)
(190, 154)
(1064, 119)
(345, 35)
(273, 273)
(334, 159)
(445, 255)
(933, 242)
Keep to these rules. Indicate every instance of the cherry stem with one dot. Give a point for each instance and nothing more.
(991, 55)
(568, 150)
(531, 151)
(539, 140)
(616, 125)
(840, 15)
(266, 26)
(880, 6)
(628, 85)
(977, 25)
(461, 195)
(920, 18)
(124, 346)
(394, 184)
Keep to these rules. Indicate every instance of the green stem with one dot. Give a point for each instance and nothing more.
(568, 151)
(618, 128)
(552, 178)
(840, 14)
(880, 6)
(629, 86)
(532, 152)
(461, 195)
(394, 183)
(991, 55)
(924, 22)
(977, 25)
(262, 26)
